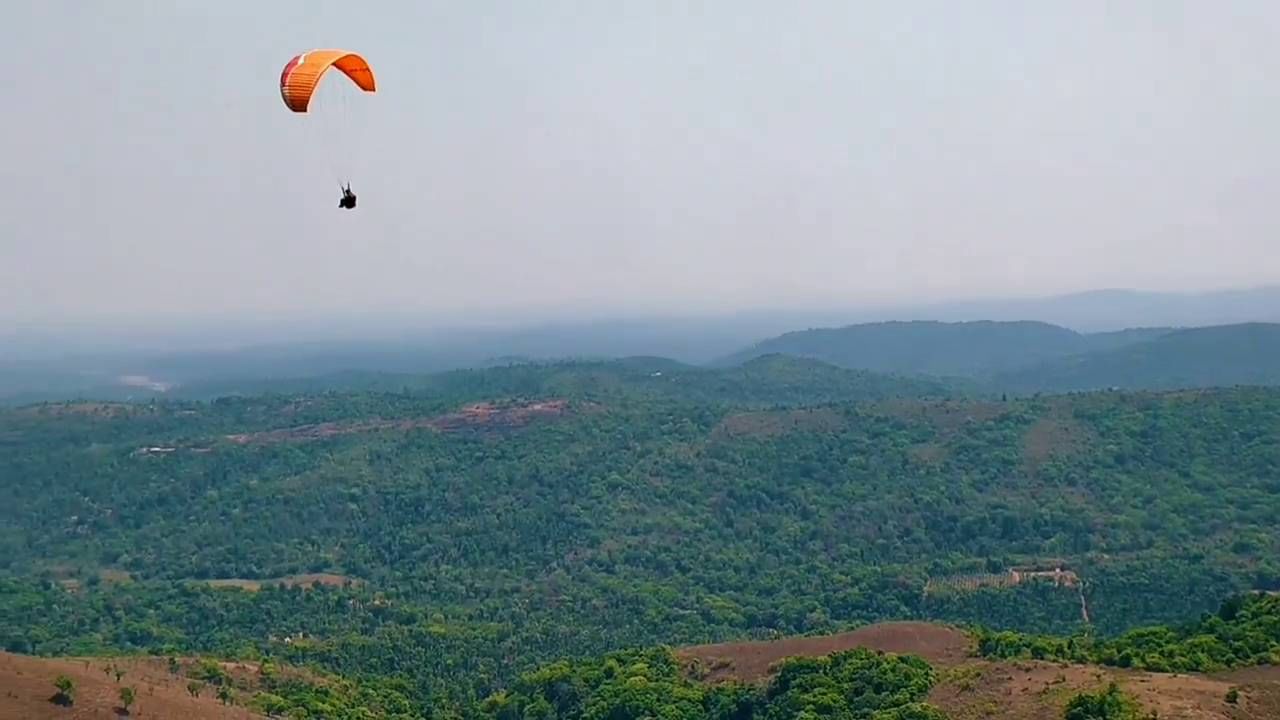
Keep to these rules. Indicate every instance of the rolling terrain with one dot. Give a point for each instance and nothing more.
(1201, 357)
(966, 686)
(965, 349)
(1020, 689)
(474, 524)
(1025, 357)
(103, 362)
(944, 674)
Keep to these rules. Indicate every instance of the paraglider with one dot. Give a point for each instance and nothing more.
(300, 80)
(348, 200)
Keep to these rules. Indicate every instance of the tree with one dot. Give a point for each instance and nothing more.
(210, 671)
(225, 696)
(127, 696)
(1108, 704)
(174, 666)
(194, 687)
(66, 695)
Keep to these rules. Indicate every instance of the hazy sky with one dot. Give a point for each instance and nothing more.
(649, 155)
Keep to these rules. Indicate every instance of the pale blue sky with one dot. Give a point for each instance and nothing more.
(549, 156)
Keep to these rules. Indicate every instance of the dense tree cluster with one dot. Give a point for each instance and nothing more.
(1245, 631)
(1110, 703)
(853, 685)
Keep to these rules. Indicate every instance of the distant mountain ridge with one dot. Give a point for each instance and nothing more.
(766, 380)
(1039, 357)
(1227, 355)
(1112, 310)
(911, 358)
(968, 349)
(114, 362)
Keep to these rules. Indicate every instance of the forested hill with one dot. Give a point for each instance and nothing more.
(1035, 357)
(491, 520)
(969, 349)
(923, 358)
(1245, 631)
(1228, 355)
(767, 380)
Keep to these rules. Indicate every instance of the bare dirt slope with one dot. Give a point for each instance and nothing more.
(971, 689)
(26, 686)
(487, 416)
(303, 581)
(752, 660)
(1040, 690)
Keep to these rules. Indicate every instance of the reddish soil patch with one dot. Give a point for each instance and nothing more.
(927, 453)
(480, 416)
(304, 581)
(26, 686)
(1007, 579)
(1053, 436)
(752, 661)
(108, 576)
(945, 415)
(776, 423)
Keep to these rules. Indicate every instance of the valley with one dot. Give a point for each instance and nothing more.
(470, 526)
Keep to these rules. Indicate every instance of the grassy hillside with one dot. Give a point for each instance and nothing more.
(188, 688)
(1018, 686)
(908, 671)
(885, 671)
(494, 519)
(28, 691)
(1201, 357)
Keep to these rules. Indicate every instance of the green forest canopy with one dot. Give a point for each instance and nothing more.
(658, 505)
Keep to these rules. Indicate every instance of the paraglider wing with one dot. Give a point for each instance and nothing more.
(302, 74)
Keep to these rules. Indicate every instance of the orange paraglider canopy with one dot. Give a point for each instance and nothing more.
(302, 74)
